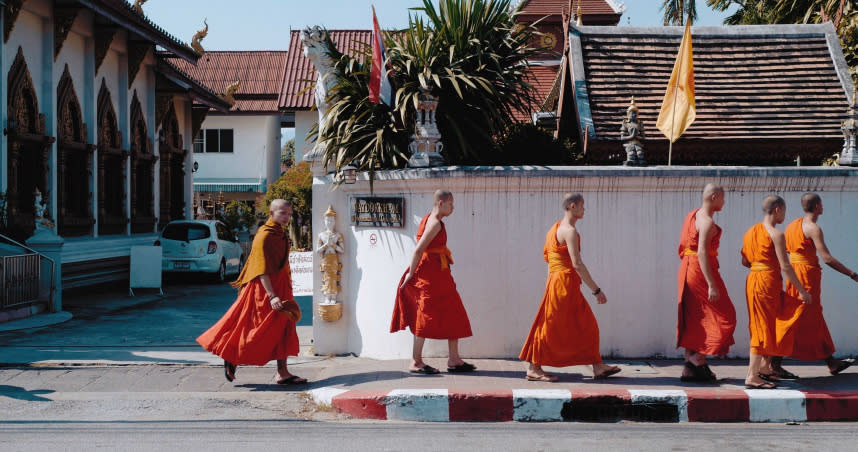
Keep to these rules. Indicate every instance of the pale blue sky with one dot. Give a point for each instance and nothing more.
(265, 24)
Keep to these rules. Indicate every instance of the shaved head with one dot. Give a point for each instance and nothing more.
(712, 189)
(571, 198)
(441, 195)
(772, 202)
(809, 201)
(278, 204)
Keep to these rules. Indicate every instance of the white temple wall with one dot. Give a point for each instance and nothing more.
(304, 121)
(630, 236)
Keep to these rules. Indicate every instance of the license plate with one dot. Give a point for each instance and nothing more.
(181, 265)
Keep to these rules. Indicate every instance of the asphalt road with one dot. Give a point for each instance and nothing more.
(299, 435)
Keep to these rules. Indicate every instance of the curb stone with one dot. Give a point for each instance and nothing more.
(551, 405)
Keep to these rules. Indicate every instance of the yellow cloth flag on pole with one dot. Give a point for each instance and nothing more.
(678, 108)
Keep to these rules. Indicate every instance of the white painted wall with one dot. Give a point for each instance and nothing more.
(629, 242)
(304, 121)
(256, 149)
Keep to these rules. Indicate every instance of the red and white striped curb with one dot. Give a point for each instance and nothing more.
(541, 405)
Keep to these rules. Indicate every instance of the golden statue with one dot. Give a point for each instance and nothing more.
(198, 37)
(229, 95)
(330, 246)
(138, 6)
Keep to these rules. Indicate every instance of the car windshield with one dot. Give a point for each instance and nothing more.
(186, 232)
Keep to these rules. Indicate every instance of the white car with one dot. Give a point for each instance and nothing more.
(205, 246)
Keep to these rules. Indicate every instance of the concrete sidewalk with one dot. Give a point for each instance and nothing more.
(125, 348)
(644, 390)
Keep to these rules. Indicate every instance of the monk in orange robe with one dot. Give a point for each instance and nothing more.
(565, 332)
(772, 314)
(804, 240)
(427, 301)
(260, 325)
(707, 317)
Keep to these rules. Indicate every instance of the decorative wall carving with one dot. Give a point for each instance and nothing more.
(198, 115)
(172, 174)
(13, 8)
(29, 148)
(103, 38)
(74, 157)
(111, 168)
(137, 51)
(64, 17)
(142, 171)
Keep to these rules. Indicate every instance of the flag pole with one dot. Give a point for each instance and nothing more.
(673, 115)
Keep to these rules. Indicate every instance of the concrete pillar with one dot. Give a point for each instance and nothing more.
(48, 243)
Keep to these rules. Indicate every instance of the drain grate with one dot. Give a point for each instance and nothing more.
(601, 412)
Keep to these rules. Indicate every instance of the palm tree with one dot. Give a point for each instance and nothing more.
(676, 11)
(470, 54)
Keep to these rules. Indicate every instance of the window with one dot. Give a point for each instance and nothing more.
(214, 140)
(185, 232)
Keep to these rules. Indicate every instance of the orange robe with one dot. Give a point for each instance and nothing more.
(429, 304)
(564, 332)
(813, 341)
(772, 314)
(703, 326)
(251, 332)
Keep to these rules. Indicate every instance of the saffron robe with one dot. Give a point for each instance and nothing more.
(813, 341)
(251, 332)
(429, 304)
(564, 332)
(704, 326)
(772, 314)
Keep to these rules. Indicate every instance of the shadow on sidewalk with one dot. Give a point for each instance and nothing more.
(19, 393)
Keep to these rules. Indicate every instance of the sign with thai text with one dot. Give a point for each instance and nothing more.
(377, 212)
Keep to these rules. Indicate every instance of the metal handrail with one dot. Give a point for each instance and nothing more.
(41, 256)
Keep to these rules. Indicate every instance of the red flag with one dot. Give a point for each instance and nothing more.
(379, 82)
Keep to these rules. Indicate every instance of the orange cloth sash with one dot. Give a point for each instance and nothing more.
(690, 252)
(764, 267)
(564, 332)
(702, 326)
(795, 258)
(444, 253)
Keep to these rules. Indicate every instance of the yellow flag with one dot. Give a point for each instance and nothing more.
(678, 109)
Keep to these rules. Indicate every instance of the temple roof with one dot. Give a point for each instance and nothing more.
(122, 13)
(753, 83)
(300, 72)
(180, 80)
(593, 12)
(260, 73)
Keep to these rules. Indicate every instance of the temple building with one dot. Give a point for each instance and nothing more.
(98, 120)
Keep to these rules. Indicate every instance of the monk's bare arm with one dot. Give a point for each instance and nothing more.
(706, 229)
(815, 233)
(433, 227)
(571, 239)
(787, 270)
(273, 299)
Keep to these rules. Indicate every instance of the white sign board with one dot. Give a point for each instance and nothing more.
(145, 268)
(301, 264)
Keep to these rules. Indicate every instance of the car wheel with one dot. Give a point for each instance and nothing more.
(220, 276)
